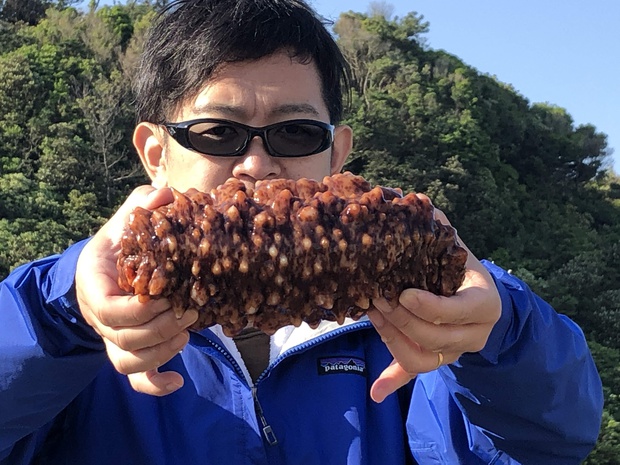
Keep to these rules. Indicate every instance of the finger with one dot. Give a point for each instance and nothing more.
(412, 357)
(470, 305)
(389, 381)
(126, 311)
(156, 384)
(445, 337)
(158, 197)
(146, 197)
(162, 328)
(146, 359)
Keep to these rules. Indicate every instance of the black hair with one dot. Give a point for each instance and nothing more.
(192, 38)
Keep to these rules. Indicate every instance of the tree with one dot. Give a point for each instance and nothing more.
(64, 130)
(101, 102)
(27, 11)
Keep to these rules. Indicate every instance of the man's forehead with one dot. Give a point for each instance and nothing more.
(276, 85)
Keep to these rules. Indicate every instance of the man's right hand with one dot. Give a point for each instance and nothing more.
(139, 337)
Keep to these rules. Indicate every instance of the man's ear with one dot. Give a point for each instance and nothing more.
(343, 143)
(148, 141)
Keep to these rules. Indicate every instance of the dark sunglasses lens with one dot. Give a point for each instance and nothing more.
(298, 139)
(216, 138)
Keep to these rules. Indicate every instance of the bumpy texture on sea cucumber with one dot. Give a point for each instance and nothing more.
(287, 252)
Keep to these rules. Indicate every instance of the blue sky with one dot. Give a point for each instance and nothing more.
(564, 52)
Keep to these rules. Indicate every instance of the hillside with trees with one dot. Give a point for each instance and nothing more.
(524, 185)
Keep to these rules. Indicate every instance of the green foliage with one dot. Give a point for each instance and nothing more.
(26, 11)
(65, 128)
(118, 20)
(608, 447)
(607, 450)
(80, 211)
(31, 239)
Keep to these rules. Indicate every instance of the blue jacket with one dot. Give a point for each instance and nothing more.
(531, 396)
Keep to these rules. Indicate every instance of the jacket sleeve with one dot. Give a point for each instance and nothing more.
(48, 354)
(533, 392)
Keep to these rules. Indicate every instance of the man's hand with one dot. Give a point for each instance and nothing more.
(425, 331)
(139, 337)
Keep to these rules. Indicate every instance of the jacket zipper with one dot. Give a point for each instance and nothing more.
(267, 431)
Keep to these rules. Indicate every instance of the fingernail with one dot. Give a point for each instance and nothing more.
(378, 394)
(174, 386)
(409, 296)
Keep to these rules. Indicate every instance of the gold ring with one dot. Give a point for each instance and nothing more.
(439, 359)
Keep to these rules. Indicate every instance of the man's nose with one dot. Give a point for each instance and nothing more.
(256, 163)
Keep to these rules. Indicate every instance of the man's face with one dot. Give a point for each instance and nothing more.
(257, 93)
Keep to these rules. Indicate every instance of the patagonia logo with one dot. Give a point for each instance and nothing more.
(342, 365)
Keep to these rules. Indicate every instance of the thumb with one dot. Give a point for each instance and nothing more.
(389, 381)
(154, 383)
(146, 197)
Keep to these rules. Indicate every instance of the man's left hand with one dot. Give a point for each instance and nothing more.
(425, 331)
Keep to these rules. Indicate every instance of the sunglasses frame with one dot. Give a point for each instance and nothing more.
(180, 132)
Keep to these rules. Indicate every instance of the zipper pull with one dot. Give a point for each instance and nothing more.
(267, 431)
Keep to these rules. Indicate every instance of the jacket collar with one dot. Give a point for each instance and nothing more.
(283, 339)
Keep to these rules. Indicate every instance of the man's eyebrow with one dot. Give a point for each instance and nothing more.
(222, 108)
(292, 108)
(237, 111)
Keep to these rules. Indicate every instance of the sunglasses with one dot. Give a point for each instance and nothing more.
(224, 138)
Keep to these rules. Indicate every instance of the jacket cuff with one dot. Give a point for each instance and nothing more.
(62, 295)
(496, 344)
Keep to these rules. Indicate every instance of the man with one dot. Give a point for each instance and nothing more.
(90, 375)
